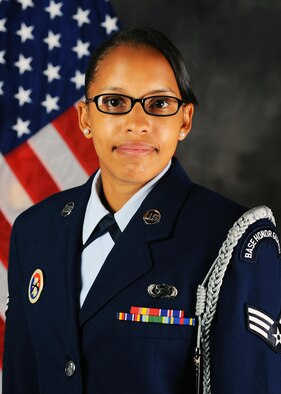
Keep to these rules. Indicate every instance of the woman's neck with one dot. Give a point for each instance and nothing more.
(114, 196)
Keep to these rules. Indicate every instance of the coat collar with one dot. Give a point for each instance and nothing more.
(130, 258)
(167, 198)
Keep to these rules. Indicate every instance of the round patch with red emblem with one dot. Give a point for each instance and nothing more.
(36, 285)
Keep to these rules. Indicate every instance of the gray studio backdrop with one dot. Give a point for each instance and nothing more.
(234, 52)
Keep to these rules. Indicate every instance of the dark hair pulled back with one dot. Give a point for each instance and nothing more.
(144, 36)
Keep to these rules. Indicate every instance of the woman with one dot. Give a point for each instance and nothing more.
(114, 312)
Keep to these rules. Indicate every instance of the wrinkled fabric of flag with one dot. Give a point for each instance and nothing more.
(44, 49)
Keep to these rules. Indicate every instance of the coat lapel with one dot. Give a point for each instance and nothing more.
(131, 258)
(68, 236)
(122, 266)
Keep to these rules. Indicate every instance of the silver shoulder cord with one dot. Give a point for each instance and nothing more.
(208, 292)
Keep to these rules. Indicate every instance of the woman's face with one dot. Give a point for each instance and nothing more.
(133, 148)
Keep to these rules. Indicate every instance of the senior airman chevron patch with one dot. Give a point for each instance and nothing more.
(264, 326)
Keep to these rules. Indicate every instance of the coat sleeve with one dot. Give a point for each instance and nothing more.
(19, 364)
(246, 332)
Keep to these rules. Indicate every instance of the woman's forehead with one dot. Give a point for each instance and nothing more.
(142, 66)
(133, 55)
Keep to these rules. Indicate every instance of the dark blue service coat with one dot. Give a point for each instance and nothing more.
(51, 346)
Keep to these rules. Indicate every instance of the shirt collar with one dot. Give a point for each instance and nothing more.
(95, 210)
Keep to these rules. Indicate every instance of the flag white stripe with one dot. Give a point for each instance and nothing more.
(3, 290)
(260, 314)
(55, 155)
(258, 330)
(259, 322)
(0, 381)
(13, 197)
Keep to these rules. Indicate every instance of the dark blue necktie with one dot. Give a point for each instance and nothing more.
(106, 224)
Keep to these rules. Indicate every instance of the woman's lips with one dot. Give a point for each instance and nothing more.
(135, 149)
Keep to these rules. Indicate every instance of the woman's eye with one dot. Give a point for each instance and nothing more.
(159, 103)
(113, 101)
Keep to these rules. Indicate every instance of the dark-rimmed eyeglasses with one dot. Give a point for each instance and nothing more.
(119, 104)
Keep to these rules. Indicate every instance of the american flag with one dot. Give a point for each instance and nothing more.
(44, 49)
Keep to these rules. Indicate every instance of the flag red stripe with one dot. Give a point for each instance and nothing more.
(2, 327)
(31, 173)
(5, 232)
(67, 125)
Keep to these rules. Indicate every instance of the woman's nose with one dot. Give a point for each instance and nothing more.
(137, 120)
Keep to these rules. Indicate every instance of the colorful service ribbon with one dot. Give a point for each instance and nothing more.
(156, 311)
(155, 315)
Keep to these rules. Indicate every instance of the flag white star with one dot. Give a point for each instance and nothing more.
(2, 25)
(25, 32)
(1, 88)
(50, 103)
(52, 72)
(23, 64)
(81, 49)
(277, 336)
(78, 79)
(25, 3)
(2, 60)
(110, 24)
(82, 16)
(54, 9)
(23, 96)
(52, 40)
(21, 127)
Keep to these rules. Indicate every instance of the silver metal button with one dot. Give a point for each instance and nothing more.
(69, 368)
(152, 216)
(67, 209)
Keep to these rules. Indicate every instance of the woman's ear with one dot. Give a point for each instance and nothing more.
(83, 119)
(188, 111)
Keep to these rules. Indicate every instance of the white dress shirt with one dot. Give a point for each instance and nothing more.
(94, 255)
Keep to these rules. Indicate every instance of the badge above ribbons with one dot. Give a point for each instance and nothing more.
(35, 286)
(162, 291)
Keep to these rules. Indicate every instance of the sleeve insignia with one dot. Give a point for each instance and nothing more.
(265, 327)
(255, 239)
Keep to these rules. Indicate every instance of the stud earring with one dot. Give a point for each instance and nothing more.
(182, 134)
(86, 131)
